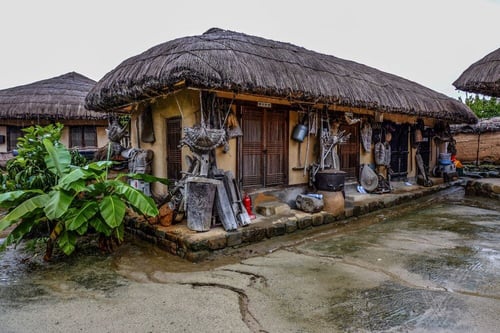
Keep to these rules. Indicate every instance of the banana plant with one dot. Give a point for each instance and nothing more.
(82, 201)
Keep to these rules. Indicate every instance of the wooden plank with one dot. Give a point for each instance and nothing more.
(200, 195)
(236, 203)
(224, 208)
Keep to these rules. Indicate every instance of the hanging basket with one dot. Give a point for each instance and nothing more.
(202, 138)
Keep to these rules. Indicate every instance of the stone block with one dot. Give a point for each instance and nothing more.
(217, 243)
(304, 221)
(159, 233)
(253, 235)
(196, 244)
(234, 238)
(291, 225)
(308, 203)
(317, 219)
(167, 245)
(328, 218)
(272, 208)
(277, 228)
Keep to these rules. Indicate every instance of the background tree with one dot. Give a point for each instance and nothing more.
(483, 107)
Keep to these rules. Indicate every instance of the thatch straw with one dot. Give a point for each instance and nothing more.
(482, 77)
(483, 126)
(58, 98)
(231, 61)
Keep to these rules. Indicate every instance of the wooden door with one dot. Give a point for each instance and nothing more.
(399, 152)
(174, 157)
(349, 152)
(262, 148)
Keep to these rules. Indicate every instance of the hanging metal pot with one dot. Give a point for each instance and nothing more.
(299, 132)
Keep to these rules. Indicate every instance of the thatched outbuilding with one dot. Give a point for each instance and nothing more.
(479, 143)
(269, 87)
(482, 77)
(59, 99)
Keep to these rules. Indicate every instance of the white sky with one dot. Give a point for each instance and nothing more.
(428, 41)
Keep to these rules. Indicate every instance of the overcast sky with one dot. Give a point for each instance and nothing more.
(427, 41)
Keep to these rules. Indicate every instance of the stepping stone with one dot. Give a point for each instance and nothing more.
(271, 208)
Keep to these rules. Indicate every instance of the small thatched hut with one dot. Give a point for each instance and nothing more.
(479, 143)
(482, 77)
(269, 87)
(59, 99)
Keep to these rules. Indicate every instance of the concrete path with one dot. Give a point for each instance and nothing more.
(429, 266)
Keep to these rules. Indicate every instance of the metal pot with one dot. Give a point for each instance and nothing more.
(299, 132)
(330, 180)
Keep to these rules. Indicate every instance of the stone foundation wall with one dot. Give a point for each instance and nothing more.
(483, 188)
(489, 147)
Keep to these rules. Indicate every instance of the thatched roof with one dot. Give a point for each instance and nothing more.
(484, 125)
(232, 61)
(482, 77)
(58, 98)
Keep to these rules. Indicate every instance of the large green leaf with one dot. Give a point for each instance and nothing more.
(9, 199)
(76, 176)
(97, 189)
(24, 209)
(58, 204)
(11, 196)
(81, 216)
(112, 210)
(67, 241)
(58, 159)
(83, 229)
(77, 186)
(99, 165)
(100, 226)
(18, 233)
(136, 198)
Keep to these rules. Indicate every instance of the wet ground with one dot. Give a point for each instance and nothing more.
(432, 265)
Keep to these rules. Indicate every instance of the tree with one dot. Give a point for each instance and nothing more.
(483, 107)
(81, 200)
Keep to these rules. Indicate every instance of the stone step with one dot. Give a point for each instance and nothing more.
(271, 208)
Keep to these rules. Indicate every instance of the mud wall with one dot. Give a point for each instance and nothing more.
(488, 147)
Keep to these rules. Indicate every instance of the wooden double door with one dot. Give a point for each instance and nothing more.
(349, 151)
(263, 148)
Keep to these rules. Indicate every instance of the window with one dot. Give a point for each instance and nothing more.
(83, 136)
(174, 161)
(13, 133)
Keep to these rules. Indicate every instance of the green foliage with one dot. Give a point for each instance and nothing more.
(28, 170)
(81, 200)
(483, 107)
(77, 158)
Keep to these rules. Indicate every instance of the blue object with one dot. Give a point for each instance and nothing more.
(445, 162)
(315, 195)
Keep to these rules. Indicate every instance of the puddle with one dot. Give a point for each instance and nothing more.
(390, 306)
